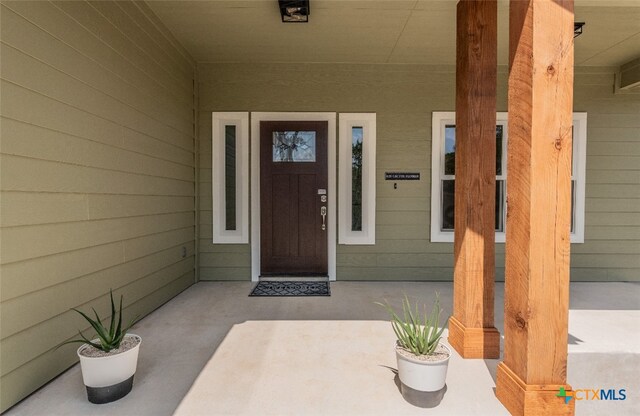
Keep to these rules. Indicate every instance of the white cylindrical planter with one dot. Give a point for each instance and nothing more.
(109, 378)
(423, 375)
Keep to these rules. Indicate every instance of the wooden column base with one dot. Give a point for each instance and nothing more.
(522, 399)
(474, 342)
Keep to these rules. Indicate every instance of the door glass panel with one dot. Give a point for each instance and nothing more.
(356, 178)
(230, 177)
(450, 149)
(294, 146)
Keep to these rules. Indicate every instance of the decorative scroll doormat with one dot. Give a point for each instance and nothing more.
(270, 288)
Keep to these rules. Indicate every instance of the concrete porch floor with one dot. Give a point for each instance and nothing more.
(213, 350)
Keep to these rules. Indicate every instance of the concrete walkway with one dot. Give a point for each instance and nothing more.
(212, 350)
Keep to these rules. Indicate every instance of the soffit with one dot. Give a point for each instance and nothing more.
(375, 31)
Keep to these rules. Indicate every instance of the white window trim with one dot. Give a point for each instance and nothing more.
(256, 118)
(368, 123)
(579, 174)
(440, 119)
(241, 234)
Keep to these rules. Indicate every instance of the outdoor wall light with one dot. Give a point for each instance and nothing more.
(294, 11)
(577, 29)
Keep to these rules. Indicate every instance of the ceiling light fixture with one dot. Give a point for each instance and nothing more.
(577, 29)
(294, 11)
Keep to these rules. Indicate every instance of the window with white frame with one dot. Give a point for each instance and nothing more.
(230, 177)
(357, 182)
(443, 176)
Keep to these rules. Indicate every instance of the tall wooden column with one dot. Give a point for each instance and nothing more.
(471, 329)
(539, 203)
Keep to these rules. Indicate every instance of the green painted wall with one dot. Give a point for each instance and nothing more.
(404, 96)
(97, 175)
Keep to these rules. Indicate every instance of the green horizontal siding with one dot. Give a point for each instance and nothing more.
(403, 98)
(98, 176)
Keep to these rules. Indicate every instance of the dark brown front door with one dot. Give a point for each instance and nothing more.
(293, 196)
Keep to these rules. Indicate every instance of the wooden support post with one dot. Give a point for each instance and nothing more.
(471, 329)
(539, 205)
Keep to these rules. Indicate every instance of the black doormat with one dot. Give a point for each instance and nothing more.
(270, 288)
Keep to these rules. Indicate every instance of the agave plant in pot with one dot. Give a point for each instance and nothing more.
(108, 362)
(422, 359)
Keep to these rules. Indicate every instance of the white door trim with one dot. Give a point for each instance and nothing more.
(256, 118)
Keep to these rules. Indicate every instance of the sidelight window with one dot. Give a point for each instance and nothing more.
(357, 185)
(229, 175)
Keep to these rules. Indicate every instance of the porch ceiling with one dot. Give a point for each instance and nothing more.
(374, 31)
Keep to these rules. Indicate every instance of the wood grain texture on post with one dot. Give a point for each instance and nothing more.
(539, 204)
(471, 330)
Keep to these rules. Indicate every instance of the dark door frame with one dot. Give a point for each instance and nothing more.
(330, 118)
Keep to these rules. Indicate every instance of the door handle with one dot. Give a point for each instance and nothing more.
(323, 213)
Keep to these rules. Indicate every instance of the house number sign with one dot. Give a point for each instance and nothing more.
(402, 176)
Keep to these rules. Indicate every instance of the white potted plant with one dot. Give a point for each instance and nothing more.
(108, 362)
(422, 359)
